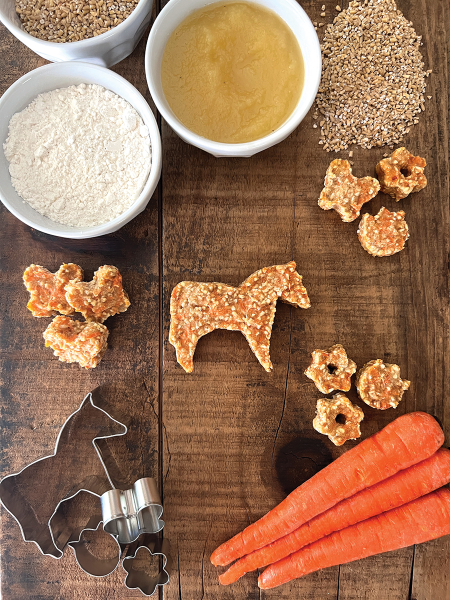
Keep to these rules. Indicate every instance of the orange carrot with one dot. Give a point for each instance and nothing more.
(426, 518)
(404, 442)
(403, 487)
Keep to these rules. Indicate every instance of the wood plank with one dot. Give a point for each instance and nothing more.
(38, 392)
(420, 315)
(429, 580)
(427, 319)
(224, 219)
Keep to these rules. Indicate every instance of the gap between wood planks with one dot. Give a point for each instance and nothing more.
(289, 350)
(160, 346)
(161, 335)
(411, 581)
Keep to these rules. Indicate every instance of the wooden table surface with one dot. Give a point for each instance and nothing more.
(228, 441)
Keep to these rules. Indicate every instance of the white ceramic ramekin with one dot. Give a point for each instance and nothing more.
(106, 49)
(296, 18)
(59, 75)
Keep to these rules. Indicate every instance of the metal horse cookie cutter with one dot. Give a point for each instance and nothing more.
(38, 495)
(33, 496)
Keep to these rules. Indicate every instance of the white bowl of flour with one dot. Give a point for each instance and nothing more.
(81, 145)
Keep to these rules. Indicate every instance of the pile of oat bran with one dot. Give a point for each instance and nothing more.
(373, 78)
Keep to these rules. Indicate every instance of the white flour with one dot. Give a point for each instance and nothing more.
(79, 155)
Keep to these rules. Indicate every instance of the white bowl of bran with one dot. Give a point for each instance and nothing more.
(105, 49)
(58, 76)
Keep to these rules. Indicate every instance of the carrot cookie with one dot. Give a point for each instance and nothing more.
(198, 308)
(48, 290)
(379, 384)
(339, 419)
(76, 341)
(401, 173)
(384, 234)
(100, 298)
(331, 369)
(346, 193)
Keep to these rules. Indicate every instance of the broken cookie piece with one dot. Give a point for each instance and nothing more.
(100, 298)
(346, 193)
(401, 174)
(75, 341)
(48, 290)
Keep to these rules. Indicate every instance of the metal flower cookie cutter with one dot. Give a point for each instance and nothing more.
(139, 579)
(38, 496)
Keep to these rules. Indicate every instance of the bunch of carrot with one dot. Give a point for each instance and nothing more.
(381, 495)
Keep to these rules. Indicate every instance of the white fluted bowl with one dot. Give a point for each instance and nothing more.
(295, 17)
(59, 75)
(105, 50)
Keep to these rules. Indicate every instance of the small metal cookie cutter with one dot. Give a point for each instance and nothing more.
(37, 496)
(92, 565)
(127, 514)
(131, 518)
(137, 579)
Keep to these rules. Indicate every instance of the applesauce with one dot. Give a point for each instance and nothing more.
(232, 72)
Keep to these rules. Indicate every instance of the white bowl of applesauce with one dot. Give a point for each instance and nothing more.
(233, 77)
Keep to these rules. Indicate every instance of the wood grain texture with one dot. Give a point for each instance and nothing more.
(38, 392)
(229, 433)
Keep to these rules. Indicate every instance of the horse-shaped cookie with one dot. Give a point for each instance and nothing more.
(198, 308)
(34, 495)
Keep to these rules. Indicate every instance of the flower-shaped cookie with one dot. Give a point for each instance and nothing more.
(346, 193)
(379, 384)
(401, 173)
(100, 298)
(331, 369)
(384, 234)
(338, 418)
(48, 290)
(76, 341)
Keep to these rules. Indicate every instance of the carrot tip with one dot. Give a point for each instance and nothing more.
(218, 561)
(224, 580)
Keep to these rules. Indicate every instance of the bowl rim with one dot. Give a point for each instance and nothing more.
(155, 168)
(222, 148)
(18, 32)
